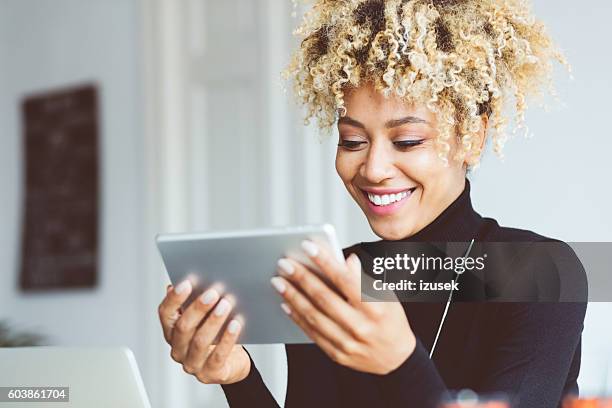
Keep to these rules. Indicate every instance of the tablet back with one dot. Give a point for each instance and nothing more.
(242, 263)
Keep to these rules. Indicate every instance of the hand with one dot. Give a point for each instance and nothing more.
(373, 337)
(191, 332)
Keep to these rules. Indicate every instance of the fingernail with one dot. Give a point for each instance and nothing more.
(285, 308)
(278, 284)
(233, 326)
(182, 287)
(222, 307)
(310, 248)
(209, 296)
(285, 266)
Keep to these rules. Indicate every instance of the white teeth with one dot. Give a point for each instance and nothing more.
(387, 199)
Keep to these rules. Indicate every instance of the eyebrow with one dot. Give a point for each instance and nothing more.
(389, 124)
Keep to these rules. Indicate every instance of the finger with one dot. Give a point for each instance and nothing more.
(205, 335)
(306, 311)
(373, 309)
(218, 357)
(169, 308)
(189, 321)
(319, 293)
(331, 349)
(337, 272)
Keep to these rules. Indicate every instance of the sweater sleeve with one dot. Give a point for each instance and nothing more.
(416, 382)
(534, 361)
(249, 392)
(519, 365)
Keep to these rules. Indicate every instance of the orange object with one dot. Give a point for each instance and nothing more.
(490, 404)
(573, 402)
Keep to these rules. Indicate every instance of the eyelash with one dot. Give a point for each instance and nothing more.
(350, 144)
(402, 144)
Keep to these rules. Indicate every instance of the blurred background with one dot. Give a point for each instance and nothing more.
(195, 133)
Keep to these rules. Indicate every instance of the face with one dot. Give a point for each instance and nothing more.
(389, 163)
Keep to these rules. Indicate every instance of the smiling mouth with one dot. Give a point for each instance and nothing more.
(382, 200)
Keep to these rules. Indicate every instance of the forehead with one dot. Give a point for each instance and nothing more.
(365, 103)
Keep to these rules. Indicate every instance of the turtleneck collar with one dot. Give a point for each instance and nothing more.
(458, 222)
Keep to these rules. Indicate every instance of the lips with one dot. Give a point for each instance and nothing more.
(383, 198)
(385, 202)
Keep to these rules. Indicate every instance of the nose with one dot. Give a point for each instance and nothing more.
(378, 165)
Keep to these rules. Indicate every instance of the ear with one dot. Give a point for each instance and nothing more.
(473, 158)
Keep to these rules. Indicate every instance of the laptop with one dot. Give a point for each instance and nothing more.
(94, 377)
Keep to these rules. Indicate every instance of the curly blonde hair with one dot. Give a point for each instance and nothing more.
(461, 58)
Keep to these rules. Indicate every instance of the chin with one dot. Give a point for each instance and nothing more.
(389, 232)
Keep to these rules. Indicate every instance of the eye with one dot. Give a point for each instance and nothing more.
(406, 144)
(351, 144)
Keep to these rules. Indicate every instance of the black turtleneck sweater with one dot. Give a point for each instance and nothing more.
(528, 351)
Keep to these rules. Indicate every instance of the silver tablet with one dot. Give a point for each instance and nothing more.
(242, 263)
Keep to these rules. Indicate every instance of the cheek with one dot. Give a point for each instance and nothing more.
(347, 166)
(436, 179)
(422, 166)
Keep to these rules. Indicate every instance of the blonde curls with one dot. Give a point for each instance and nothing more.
(461, 58)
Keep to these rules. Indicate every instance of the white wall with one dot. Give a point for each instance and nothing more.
(53, 43)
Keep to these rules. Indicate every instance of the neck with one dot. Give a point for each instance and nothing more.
(457, 222)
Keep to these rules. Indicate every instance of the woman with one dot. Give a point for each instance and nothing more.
(414, 88)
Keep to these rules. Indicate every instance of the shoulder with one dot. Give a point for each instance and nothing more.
(493, 232)
(547, 266)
